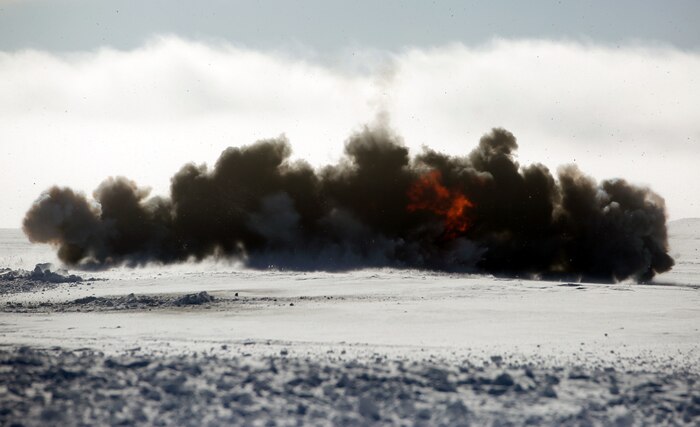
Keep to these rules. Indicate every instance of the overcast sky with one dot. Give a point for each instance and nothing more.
(93, 88)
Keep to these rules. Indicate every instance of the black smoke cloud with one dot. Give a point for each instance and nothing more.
(257, 206)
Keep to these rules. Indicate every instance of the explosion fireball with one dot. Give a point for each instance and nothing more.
(428, 193)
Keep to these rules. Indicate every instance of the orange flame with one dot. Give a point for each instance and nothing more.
(428, 193)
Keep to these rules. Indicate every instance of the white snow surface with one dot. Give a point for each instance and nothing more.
(397, 314)
(379, 307)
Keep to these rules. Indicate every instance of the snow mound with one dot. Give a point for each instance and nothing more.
(116, 303)
(42, 277)
(41, 273)
(194, 299)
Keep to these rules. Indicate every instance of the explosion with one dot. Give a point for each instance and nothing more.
(377, 207)
(429, 194)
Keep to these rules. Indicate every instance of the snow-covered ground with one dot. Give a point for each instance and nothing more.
(385, 347)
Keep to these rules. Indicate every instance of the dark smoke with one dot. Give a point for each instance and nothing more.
(257, 206)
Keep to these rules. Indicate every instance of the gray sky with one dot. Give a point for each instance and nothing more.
(329, 25)
(94, 88)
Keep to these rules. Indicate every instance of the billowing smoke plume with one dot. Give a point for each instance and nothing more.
(377, 207)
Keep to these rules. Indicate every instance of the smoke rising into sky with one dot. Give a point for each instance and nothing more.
(376, 207)
(74, 118)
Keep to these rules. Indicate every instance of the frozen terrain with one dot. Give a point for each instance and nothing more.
(213, 343)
